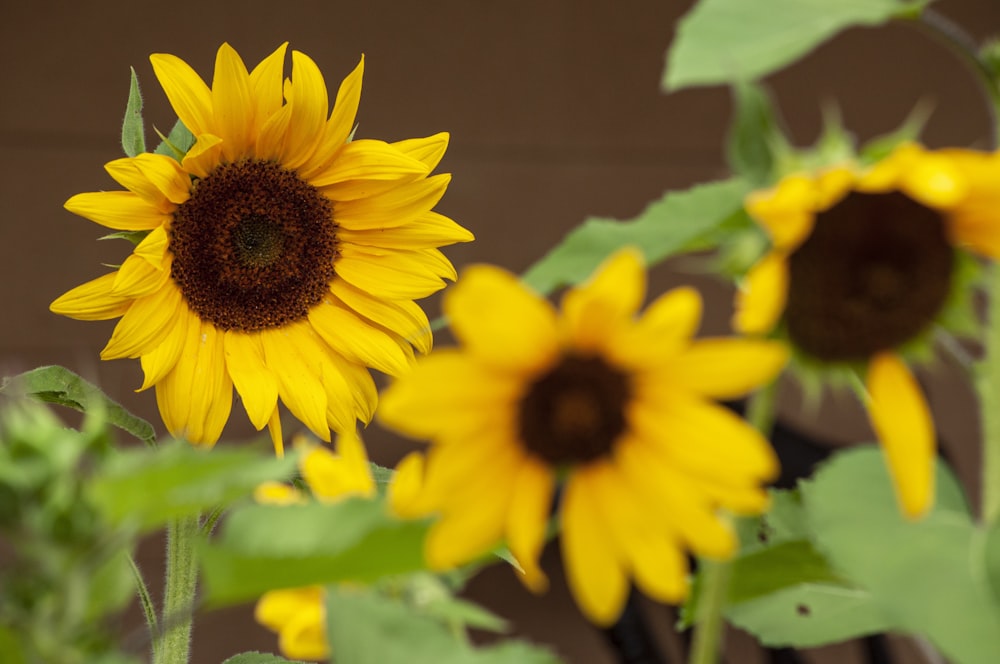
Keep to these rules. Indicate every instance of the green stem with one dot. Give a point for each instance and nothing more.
(148, 609)
(989, 398)
(178, 597)
(715, 573)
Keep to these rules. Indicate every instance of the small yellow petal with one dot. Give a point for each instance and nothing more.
(278, 493)
(332, 477)
(404, 489)
(787, 211)
(118, 210)
(500, 321)
(726, 368)
(761, 298)
(904, 426)
(92, 300)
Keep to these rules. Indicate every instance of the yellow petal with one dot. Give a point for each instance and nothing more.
(188, 94)
(164, 173)
(290, 352)
(119, 210)
(429, 150)
(399, 275)
(254, 381)
(449, 466)
(392, 208)
(359, 340)
(350, 390)
(368, 159)
(446, 392)
(612, 296)
(153, 247)
(203, 156)
(501, 322)
(92, 300)
(308, 104)
(145, 325)
(660, 568)
(726, 368)
(787, 212)
(527, 520)
(594, 573)
(666, 326)
(195, 398)
(903, 423)
(429, 230)
(332, 477)
(277, 607)
(137, 277)
(278, 493)
(403, 317)
(161, 360)
(761, 298)
(232, 111)
(265, 86)
(403, 494)
(934, 181)
(274, 429)
(341, 122)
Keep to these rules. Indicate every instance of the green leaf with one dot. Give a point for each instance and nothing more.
(808, 615)
(135, 237)
(133, 131)
(150, 487)
(772, 569)
(881, 146)
(754, 134)
(177, 143)
(665, 227)
(729, 41)
(258, 658)
(927, 576)
(263, 547)
(365, 627)
(59, 385)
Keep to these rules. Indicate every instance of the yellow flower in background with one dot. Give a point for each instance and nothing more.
(862, 263)
(298, 615)
(281, 258)
(617, 404)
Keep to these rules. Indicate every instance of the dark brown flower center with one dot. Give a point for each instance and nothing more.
(253, 246)
(873, 274)
(575, 412)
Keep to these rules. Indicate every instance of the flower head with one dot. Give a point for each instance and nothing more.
(862, 265)
(616, 404)
(280, 257)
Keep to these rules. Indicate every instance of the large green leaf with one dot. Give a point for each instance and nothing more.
(365, 627)
(59, 385)
(728, 41)
(662, 229)
(150, 487)
(928, 577)
(263, 547)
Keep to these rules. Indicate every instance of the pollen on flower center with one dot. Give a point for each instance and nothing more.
(575, 412)
(253, 247)
(873, 274)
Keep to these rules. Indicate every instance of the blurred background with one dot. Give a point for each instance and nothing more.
(555, 114)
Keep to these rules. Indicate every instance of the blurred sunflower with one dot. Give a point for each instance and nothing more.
(279, 257)
(862, 267)
(614, 404)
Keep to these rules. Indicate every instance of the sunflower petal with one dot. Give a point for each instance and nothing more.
(145, 325)
(399, 275)
(429, 150)
(254, 381)
(308, 105)
(358, 340)
(137, 278)
(118, 210)
(428, 230)
(761, 298)
(190, 98)
(726, 368)
(593, 571)
(162, 359)
(368, 159)
(500, 321)
(611, 297)
(402, 317)
(232, 110)
(903, 423)
(527, 518)
(394, 207)
(664, 329)
(265, 86)
(788, 211)
(92, 300)
(290, 352)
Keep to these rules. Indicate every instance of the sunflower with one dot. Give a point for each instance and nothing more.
(614, 405)
(862, 267)
(278, 256)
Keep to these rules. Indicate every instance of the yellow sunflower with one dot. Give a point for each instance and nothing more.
(298, 615)
(616, 405)
(280, 257)
(862, 263)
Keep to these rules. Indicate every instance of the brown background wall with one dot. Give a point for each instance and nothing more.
(555, 114)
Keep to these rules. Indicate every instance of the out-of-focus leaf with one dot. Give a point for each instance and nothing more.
(263, 547)
(59, 385)
(729, 41)
(927, 577)
(664, 228)
(755, 135)
(150, 487)
(258, 658)
(365, 627)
